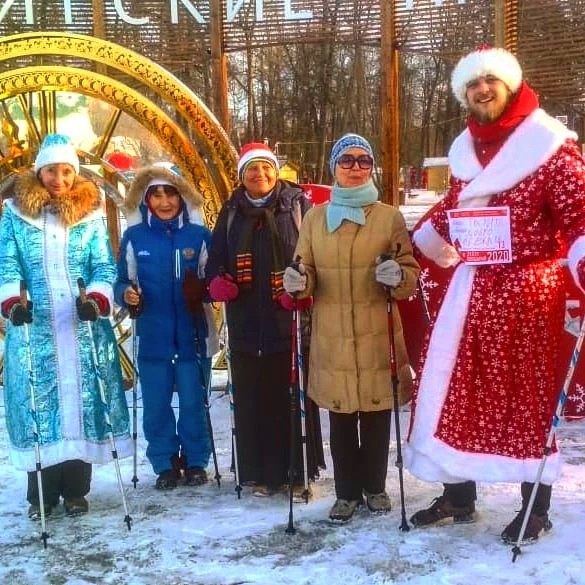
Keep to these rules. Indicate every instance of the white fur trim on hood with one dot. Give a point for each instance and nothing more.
(158, 175)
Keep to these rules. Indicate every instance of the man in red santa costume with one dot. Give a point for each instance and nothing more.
(490, 378)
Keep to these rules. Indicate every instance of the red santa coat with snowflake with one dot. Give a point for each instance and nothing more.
(489, 382)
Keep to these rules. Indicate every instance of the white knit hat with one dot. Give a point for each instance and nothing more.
(485, 61)
(55, 149)
(255, 151)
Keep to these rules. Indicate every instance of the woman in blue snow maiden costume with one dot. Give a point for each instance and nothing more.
(52, 233)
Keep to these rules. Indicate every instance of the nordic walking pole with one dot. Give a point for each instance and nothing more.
(210, 427)
(396, 406)
(301, 383)
(290, 529)
(231, 396)
(134, 395)
(83, 298)
(425, 304)
(550, 438)
(134, 408)
(35, 425)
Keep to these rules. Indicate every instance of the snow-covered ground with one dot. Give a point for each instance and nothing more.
(206, 536)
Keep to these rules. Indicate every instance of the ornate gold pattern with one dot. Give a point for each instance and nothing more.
(151, 117)
(211, 164)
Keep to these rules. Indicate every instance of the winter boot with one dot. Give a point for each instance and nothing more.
(34, 511)
(195, 476)
(76, 506)
(379, 503)
(168, 480)
(538, 521)
(342, 510)
(442, 509)
(300, 495)
(265, 491)
(536, 526)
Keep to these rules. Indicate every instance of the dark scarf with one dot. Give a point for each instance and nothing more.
(256, 218)
(490, 137)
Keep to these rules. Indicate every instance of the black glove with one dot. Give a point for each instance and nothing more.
(87, 310)
(193, 290)
(19, 314)
(134, 311)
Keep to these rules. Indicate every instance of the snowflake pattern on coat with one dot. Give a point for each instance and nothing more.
(503, 387)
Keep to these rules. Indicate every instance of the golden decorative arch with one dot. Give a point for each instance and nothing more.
(179, 121)
(199, 145)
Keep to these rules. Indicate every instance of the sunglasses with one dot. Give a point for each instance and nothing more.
(347, 161)
(168, 189)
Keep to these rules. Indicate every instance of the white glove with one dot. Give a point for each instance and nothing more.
(389, 273)
(294, 281)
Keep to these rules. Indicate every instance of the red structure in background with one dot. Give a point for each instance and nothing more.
(317, 193)
(121, 160)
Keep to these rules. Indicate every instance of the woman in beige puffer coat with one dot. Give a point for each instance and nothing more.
(352, 251)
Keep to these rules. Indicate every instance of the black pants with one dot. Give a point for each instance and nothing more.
(262, 415)
(463, 494)
(70, 479)
(359, 449)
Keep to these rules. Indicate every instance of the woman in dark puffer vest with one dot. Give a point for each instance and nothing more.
(253, 242)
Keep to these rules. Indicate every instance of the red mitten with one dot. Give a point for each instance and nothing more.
(223, 288)
(287, 302)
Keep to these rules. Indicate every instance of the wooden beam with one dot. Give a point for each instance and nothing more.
(500, 23)
(390, 121)
(218, 65)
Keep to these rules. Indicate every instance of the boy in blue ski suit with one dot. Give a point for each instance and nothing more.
(161, 281)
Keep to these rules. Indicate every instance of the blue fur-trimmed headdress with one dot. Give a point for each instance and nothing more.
(55, 149)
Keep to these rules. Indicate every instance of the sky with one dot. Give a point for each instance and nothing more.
(206, 536)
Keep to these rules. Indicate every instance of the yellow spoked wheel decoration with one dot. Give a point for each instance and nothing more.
(178, 121)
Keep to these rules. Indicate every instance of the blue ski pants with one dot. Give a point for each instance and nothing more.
(188, 433)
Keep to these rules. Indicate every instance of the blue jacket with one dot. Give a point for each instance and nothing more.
(157, 254)
(257, 324)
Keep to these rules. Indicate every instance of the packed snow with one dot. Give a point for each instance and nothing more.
(207, 536)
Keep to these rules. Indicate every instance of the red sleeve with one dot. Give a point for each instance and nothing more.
(101, 301)
(8, 304)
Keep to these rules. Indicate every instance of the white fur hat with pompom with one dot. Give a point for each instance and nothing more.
(485, 61)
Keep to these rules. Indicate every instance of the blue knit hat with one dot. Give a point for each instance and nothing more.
(345, 143)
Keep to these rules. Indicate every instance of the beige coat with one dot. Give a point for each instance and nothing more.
(349, 361)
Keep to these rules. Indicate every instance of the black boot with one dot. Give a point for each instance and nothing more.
(538, 522)
(168, 479)
(457, 504)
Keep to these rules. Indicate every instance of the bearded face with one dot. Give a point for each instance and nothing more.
(487, 98)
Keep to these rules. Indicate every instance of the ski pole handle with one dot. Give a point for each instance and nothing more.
(82, 292)
(295, 265)
(391, 255)
(23, 298)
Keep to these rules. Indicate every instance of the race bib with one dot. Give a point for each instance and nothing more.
(481, 235)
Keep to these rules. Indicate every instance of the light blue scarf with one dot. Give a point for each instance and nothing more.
(348, 203)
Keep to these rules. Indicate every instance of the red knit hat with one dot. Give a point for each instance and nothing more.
(255, 151)
(485, 60)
